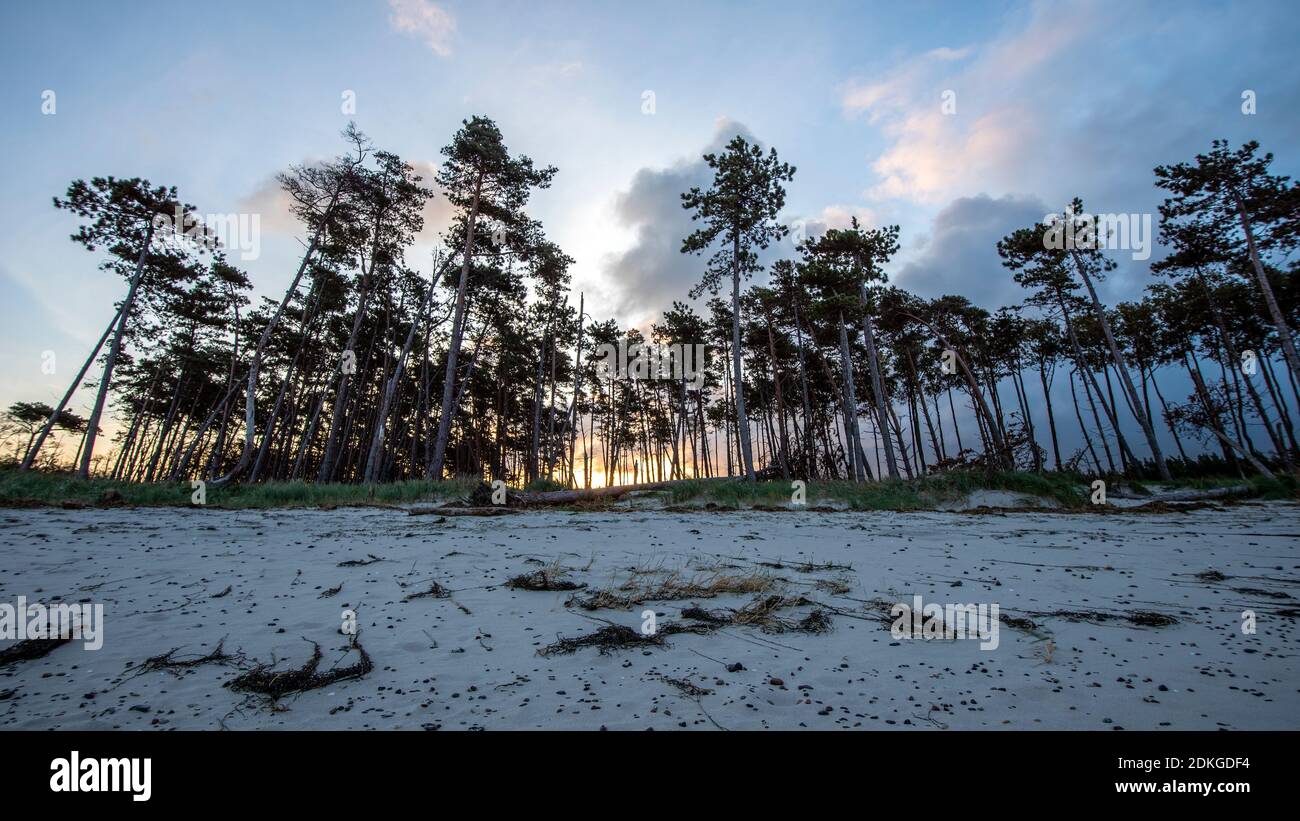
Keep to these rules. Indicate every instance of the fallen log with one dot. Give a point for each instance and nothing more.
(480, 501)
(1198, 495)
(525, 498)
(460, 511)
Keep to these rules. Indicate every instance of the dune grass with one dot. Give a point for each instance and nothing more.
(18, 488)
(926, 492)
(37, 487)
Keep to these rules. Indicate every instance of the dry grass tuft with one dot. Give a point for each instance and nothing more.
(675, 587)
(549, 578)
(836, 587)
(762, 613)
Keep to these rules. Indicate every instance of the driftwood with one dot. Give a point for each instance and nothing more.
(1198, 495)
(1191, 495)
(479, 502)
(524, 498)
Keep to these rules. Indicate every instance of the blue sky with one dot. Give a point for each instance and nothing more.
(1052, 100)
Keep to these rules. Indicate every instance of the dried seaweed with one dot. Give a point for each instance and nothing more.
(435, 591)
(262, 680)
(545, 579)
(29, 649)
(608, 639)
(673, 588)
(168, 661)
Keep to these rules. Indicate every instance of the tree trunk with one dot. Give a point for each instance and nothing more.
(92, 424)
(853, 440)
(738, 382)
(809, 456)
(1127, 379)
(35, 447)
(877, 384)
(1279, 323)
(250, 398)
(457, 331)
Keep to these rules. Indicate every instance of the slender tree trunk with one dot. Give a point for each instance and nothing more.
(250, 398)
(1084, 428)
(1275, 313)
(92, 424)
(852, 434)
(738, 382)
(35, 447)
(457, 332)
(1051, 418)
(877, 383)
(1118, 358)
(809, 456)
(390, 389)
(577, 393)
(780, 399)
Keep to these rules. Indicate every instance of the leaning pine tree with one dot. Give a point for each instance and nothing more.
(1231, 195)
(489, 188)
(124, 217)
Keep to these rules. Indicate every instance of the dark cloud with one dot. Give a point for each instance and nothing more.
(960, 255)
(648, 276)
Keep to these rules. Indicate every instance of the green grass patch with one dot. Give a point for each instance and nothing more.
(1069, 490)
(926, 492)
(28, 487)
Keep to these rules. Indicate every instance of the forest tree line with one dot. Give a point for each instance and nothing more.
(369, 370)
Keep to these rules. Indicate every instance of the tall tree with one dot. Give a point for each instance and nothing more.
(1226, 191)
(857, 256)
(124, 216)
(740, 209)
(489, 188)
(319, 197)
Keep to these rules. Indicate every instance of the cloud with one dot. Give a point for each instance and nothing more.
(960, 255)
(962, 120)
(646, 277)
(271, 203)
(425, 20)
(1064, 100)
(897, 90)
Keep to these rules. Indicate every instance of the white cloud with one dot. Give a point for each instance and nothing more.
(1004, 97)
(426, 20)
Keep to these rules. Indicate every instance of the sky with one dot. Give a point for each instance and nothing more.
(956, 121)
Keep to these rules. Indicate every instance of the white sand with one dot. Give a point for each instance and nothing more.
(439, 666)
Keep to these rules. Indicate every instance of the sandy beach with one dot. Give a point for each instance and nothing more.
(478, 654)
